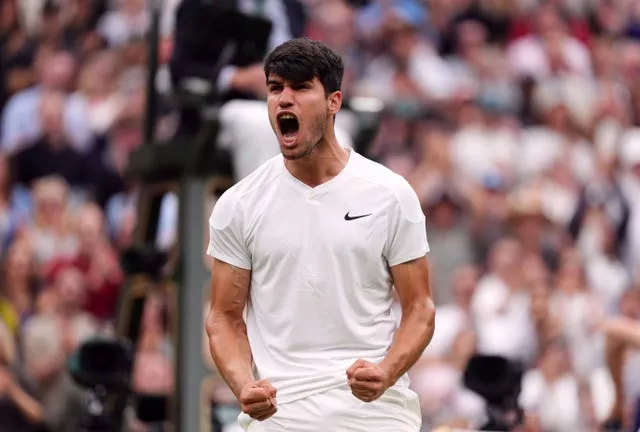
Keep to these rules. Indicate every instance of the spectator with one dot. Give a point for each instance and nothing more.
(450, 239)
(550, 393)
(50, 232)
(20, 285)
(96, 261)
(579, 312)
(444, 399)
(530, 225)
(129, 20)
(7, 346)
(410, 72)
(16, 406)
(455, 316)
(630, 183)
(51, 153)
(498, 303)
(97, 92)
(58, 403)
(152, 374)
(14, 202)
(19, 124)
(120, 212)
(67, 285)
(550, 50)
(154, 331)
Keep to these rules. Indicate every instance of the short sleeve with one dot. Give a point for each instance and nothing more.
(407, 237)
(226, 234)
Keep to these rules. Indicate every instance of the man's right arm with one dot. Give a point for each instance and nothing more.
(230, 280)
(225, 325)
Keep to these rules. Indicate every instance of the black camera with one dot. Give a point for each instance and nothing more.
(498, 381)
(144, 260)
(152, 410)
(103, 368)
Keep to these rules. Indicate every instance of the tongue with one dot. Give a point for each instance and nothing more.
(290, 135)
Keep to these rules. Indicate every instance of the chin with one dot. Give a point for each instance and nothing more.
(292, 154)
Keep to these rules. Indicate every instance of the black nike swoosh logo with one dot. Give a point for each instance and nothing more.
(348, 218)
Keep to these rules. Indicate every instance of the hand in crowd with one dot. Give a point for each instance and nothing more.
(6, 382)
(104, 267)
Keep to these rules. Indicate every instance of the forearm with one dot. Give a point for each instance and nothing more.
(615, 364)
(411, 338)
(621, 333)
(624, 330)
(27, 405)
(230, 350)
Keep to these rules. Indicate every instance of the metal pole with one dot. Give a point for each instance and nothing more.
(192, 275)
(152, 99)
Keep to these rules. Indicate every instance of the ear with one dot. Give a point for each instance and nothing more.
(335, 102)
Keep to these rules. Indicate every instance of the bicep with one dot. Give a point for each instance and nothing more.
(229, 288)
(411, 281)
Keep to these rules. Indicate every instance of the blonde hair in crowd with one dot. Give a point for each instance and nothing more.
(7, 345)
(52, 188)
(42, 340)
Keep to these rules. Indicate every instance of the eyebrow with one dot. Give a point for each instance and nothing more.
(274, 82)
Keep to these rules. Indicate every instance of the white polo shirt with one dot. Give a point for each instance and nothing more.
(321, 288)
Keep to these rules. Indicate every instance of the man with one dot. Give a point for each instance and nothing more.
(244, 127)
(311, 243)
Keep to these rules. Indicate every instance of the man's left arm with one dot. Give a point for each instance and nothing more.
(405, 253)
(411, 280)
(368, 381)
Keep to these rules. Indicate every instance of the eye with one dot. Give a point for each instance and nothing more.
(302, 86)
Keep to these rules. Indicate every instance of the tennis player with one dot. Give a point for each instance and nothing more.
(311, 244)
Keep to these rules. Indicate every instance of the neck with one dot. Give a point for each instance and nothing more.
(325, 161)
(67, 312)
(55, 141)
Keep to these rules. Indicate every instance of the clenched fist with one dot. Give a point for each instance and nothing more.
(368, 381)
(257, 400)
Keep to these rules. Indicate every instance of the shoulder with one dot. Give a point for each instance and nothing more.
(376, 173)
(243, 192)
(21, 98)
(396, 188)
(262, 177)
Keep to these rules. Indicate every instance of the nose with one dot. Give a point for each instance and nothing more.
(286, 98)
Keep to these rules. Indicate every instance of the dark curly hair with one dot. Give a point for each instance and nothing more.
(302, 59)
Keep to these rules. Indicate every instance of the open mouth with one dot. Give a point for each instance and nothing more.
(288, 125)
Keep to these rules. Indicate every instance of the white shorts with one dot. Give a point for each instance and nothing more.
(337, 410)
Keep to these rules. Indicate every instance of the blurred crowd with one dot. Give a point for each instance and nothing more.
(516, 121)
(72, 85)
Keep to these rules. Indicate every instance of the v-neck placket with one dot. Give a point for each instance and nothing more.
(310, 193)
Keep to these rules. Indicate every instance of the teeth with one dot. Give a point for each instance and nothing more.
(287, 117)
